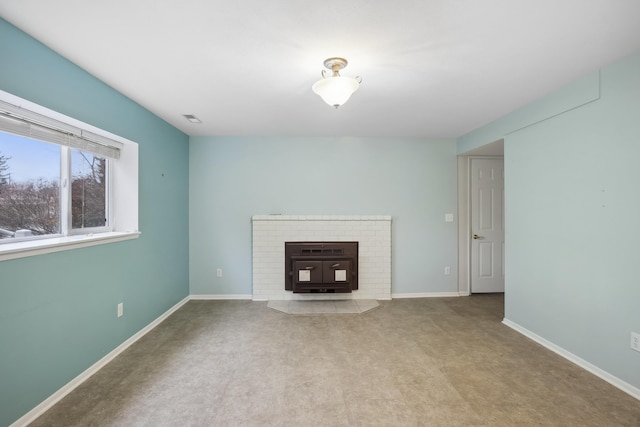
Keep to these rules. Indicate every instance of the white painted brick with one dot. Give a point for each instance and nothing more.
(373, 232)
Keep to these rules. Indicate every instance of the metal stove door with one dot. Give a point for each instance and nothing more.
(307, 272)
(337, 271)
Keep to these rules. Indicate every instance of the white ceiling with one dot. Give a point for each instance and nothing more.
(430, 68)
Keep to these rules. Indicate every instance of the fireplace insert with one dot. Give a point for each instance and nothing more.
(321, 267)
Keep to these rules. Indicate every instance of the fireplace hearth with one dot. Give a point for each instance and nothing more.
(321, 267)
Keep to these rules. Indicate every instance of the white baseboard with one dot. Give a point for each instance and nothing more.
(220, 297)
(427, 295)
(30, 416)
(613, 380)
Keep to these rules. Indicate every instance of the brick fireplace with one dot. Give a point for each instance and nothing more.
(372, 232)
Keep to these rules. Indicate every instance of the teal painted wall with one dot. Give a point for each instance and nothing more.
(574, 95)
(58, 311)
(572, 205)
(232, 179)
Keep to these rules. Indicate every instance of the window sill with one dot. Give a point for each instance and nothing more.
(45, 246)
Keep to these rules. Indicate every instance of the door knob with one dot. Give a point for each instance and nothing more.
(476, 237)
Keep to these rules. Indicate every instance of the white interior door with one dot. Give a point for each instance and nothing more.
(487, 225)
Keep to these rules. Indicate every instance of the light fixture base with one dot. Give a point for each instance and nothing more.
(335, 64)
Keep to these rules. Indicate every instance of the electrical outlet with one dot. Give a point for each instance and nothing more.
(219, 272)
(635, 341)
(448, 217)
(447, 270)
(120, 310)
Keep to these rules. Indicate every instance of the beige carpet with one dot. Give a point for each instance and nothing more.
(410, 362)
(352, 306)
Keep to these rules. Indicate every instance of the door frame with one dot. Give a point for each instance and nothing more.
(464, 221)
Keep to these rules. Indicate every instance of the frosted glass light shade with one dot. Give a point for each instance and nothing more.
(336, 90)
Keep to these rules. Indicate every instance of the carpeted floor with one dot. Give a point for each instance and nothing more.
(410, 362)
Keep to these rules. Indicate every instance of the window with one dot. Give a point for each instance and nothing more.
(29, 188)
(61, 181)
(88, 190)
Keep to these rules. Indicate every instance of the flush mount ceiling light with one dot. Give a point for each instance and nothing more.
(336, 89)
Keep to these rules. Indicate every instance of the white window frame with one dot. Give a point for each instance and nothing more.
(66, 226)
(122, 188)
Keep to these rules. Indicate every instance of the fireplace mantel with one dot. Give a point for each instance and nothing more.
(373, 232)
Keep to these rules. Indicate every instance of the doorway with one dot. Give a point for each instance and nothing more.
(486, 212)
(488, 263)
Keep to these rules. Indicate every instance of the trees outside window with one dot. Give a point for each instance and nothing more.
(88, 190)
(29, 187)
(34, 198)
